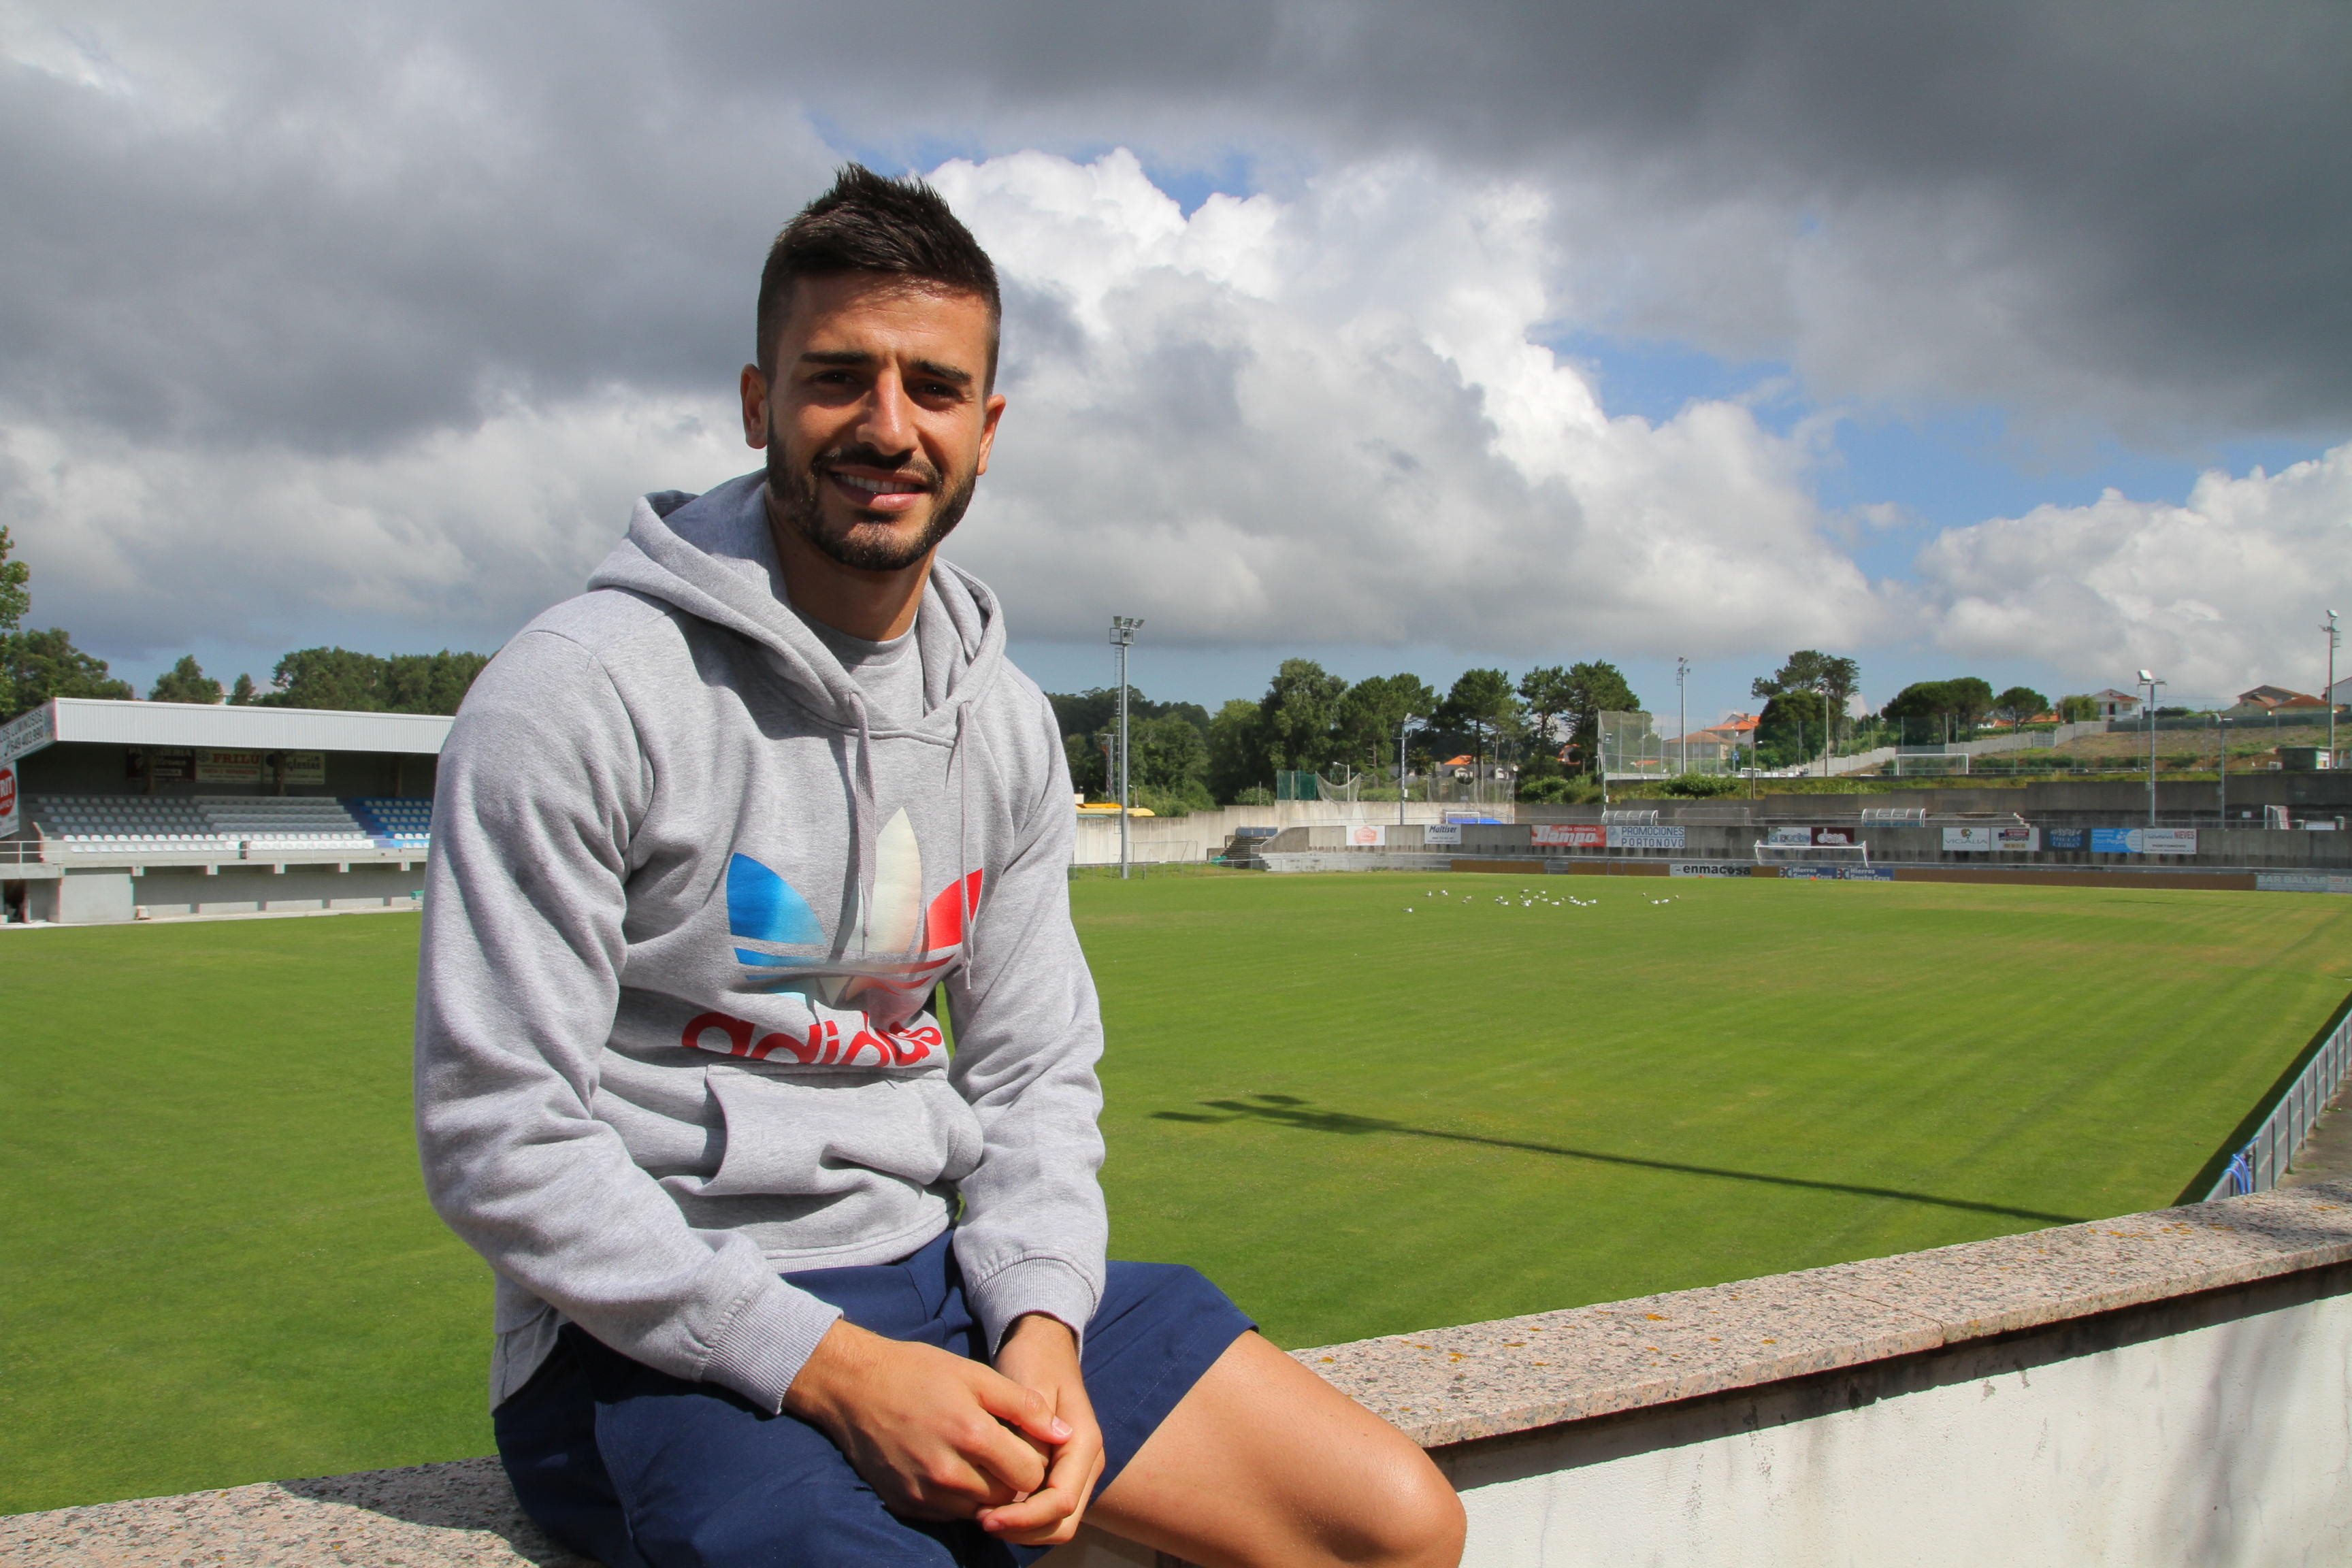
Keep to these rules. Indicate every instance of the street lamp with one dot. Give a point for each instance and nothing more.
(2151, 682)
(1122, 637)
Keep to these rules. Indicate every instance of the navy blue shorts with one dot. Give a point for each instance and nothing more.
(640, 1469)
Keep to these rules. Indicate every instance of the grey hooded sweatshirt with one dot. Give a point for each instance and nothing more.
(690, 899)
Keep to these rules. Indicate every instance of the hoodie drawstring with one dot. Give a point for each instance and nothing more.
(960, 760)
(861, 812)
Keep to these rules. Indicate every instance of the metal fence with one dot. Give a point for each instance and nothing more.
(2257, 1167)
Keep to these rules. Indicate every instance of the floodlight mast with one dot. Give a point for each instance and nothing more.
(2327, 693)
(1682, 709)
(1122, 637)
(2149, 718)
(1405, 727)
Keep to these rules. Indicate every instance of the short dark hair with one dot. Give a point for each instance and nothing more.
(868, 223)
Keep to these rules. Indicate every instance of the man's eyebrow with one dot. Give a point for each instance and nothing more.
(855, 359)
(944, 372)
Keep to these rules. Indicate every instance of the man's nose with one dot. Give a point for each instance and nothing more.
(889, 422)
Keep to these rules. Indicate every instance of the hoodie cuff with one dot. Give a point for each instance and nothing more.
(1046, 1285)
(764, 1345)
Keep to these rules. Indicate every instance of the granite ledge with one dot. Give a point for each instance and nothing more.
(458, 1515)
(1515, 1375)
(1443, 1386)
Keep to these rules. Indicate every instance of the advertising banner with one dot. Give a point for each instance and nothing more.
(1708, 868)
(1811, 873)
(1836, 838)
(1442, 833)
(306, 767)
(2143, 841)
(169, 764)
(1574, 834)
(1365, 836)
(229, 768)
(25, 732)
(1788, 838)
(7, 799)
(1647, 837)
(2068, 839)
(2013, 837)
(1865, 874)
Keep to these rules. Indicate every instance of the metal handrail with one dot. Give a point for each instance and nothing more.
(2257, 1166)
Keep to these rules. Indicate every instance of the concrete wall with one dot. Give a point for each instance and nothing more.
(2216, 1430)
(2151, 1391)
(110, 896)
(2147, 1392)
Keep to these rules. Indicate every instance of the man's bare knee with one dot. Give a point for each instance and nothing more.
(1419, 1522)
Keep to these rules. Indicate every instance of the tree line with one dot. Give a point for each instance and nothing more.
(1182, 757)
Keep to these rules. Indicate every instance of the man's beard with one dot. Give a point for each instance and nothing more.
(793, 494)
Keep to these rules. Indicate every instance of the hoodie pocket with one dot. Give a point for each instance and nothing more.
(788, 1137)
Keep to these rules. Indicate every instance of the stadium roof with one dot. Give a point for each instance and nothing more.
(248, 728)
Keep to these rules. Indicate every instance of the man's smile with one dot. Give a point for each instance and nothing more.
(873, 491)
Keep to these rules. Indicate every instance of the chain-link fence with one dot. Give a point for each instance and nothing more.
(1633, 748)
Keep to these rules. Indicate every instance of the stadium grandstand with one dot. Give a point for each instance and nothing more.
(117, 811)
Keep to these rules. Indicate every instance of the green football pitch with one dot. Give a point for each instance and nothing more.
(220, 1267)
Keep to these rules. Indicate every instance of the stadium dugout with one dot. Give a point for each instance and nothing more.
(118, 811)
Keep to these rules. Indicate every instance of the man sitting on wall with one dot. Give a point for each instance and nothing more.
(779, 1278)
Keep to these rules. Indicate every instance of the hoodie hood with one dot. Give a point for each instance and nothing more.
(712, 557)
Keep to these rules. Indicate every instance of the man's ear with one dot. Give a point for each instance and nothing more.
(755, 408)
(990, 412)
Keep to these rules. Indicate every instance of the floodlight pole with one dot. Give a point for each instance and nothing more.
(1682, 707)
(2149, 717)
(2327, 693)
(1122, 634)
(1405, 727)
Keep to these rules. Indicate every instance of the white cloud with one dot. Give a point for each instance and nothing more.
(2217, 593)
(1323, 421)
(456, 536)
(1320, 421)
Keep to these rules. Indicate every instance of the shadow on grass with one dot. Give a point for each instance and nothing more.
(1288, 1110)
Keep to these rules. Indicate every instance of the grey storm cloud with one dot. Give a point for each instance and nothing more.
(333, 226)
(368, 320)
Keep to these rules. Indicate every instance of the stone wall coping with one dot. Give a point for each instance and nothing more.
(1441, 1387)
(1515, 1375)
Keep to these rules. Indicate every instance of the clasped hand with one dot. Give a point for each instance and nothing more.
(1014, 1448)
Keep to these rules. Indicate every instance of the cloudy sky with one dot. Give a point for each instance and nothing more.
(2009, 339)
